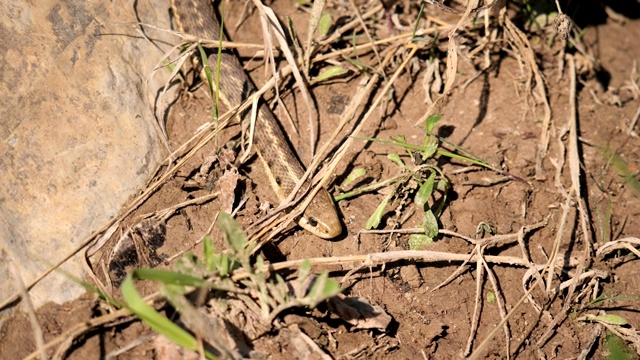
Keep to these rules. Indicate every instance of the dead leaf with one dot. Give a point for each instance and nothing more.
(359, 312)
(228, 183)
(432, 80)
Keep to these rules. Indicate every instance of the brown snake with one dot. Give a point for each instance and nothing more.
(198, 18)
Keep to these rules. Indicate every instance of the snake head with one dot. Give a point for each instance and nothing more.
(320, 217)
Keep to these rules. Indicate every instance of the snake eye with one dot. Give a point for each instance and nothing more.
(278, 181)
(313, 222)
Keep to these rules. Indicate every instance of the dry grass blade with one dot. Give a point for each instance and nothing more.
(595, 335)
(479, 352)
(634, 121)
(361, 48)
(128, 347)
(549, 266)
(567, 206)
(574, 165)
(499, 298)
(520, 42)
(252, 129)
(312, 26)
(452, 65)
(452, 50)
(475, 320)
(269, 20)
(459, 271)
(432, 80)
(161, 108)
(365, 29)
(625, 243)
(471, 7)
(31, 312)
(574, 159)
(481, 268)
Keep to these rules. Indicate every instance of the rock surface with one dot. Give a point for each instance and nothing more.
(78, 128)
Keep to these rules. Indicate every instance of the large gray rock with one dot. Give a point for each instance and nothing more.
(77, 128)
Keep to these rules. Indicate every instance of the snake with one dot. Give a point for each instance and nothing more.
(198, 18)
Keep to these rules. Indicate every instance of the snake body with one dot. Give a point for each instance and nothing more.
(284, 170)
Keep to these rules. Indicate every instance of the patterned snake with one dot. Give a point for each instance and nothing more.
(198, 18)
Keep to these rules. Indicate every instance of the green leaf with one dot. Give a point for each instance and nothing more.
(305, 269)
(618, 349)
(396, 159)
(206, 68)
(172, 291)
(399, 140)
(605, 297)
(329, 73)
(323, 288)
(360, 65)
(425, 191)
(430, 149)
(233, 232)
(375, 218)
(432, 121)
(325, 24)
(259, 266)
(293, 34)
(610, 319)
(419, 241)
(279, 291)
(354, 175)
(169, 65)
(443, 185)
(225, 265)
(169, 277)
(149, 315)
(430, 224)
(491, 297)
(209, 251)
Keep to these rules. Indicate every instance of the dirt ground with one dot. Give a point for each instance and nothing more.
(440, 307)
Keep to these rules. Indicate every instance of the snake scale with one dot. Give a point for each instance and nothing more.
(198, 18)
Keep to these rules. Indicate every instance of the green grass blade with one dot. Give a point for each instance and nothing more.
(330, 73)
(157, 322)
(169, 277)
(623, 170)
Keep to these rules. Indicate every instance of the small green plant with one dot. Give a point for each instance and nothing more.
(419, 180)
(606, 298)
(231, 273)
(491, 297)
(628, 174)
